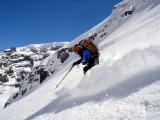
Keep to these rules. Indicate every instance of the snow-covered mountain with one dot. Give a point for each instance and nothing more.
(17, 63)
(124, 86)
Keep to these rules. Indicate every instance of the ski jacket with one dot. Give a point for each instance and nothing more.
(85, 55)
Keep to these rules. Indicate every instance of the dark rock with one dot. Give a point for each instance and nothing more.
(64, 57)
(15, 96)
(43, 74)
(61, 51)
(6, 104)
(3, 78)
(104, 34)
(63, 54)
(17, 85)
(24, 91)
(128, 12)
(10, 71)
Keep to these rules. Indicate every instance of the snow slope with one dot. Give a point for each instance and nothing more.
(124, 86)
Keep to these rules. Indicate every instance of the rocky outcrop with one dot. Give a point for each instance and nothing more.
(17, 66)
(3, 78)
(63, 54)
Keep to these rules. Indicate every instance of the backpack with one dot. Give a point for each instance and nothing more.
(89, 45)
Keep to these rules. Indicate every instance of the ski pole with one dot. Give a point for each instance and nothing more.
(63, 78)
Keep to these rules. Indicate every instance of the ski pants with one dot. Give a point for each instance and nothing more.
(90, 64)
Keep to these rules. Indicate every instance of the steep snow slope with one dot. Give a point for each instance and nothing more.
(125, 85)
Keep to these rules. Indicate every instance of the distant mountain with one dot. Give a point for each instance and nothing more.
(17, 63)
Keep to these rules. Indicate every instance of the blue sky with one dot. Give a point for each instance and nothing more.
(24, 22)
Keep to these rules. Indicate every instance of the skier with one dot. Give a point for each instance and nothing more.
(88, 52)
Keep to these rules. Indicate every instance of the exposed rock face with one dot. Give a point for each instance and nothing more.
(17, 66)
(43, 74)
(63, 54)
(3, 78)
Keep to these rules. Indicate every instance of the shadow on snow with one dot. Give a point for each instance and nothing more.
(119, 91)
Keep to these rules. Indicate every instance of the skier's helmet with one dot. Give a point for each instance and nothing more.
(76, 48)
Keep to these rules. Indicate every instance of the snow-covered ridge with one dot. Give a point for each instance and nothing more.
(17, 63)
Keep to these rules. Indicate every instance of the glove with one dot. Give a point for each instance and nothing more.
(74, 64)
(77, 62)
